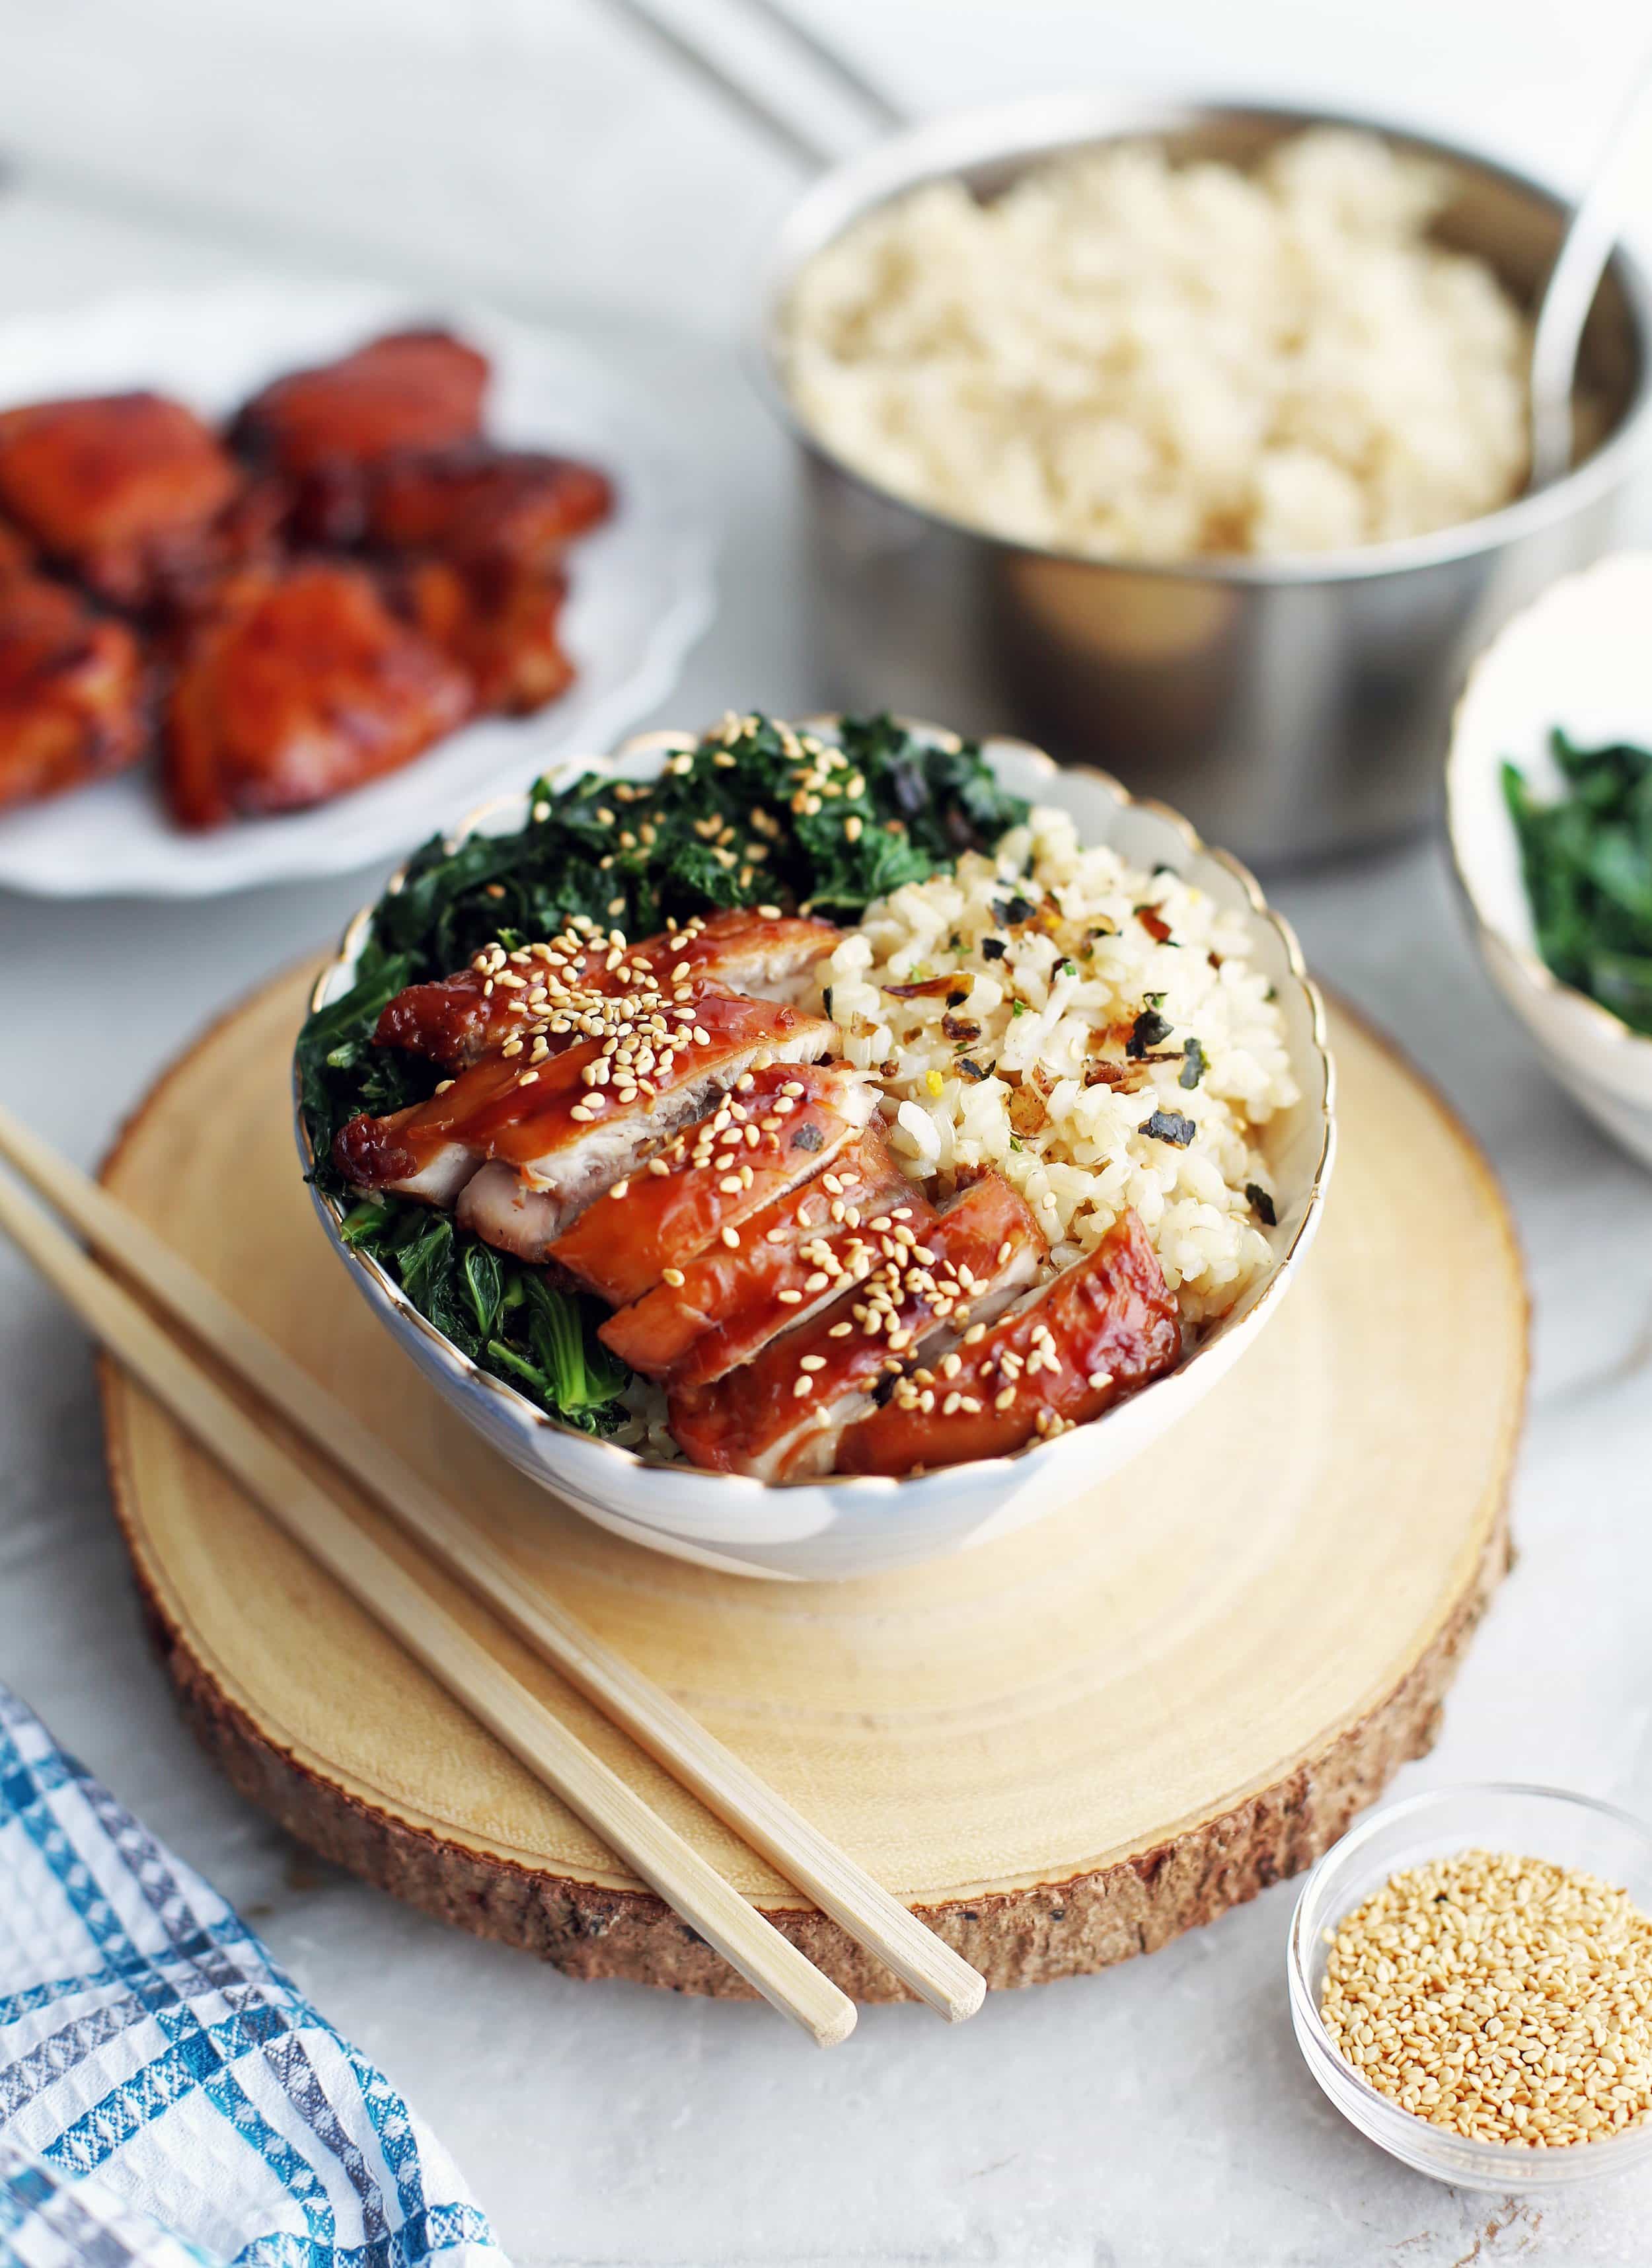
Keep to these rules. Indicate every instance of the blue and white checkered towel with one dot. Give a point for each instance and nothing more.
(167, 2096)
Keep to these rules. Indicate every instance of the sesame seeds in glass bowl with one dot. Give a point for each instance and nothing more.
(1494, 1995)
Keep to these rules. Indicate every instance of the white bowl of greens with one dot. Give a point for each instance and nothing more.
(518, 1360)
(1548, 801)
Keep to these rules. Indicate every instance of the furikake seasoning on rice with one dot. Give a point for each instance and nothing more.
(1094, 1032)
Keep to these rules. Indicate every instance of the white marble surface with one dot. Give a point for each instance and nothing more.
(1156, 2114)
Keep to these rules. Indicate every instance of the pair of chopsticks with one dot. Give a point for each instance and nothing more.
(323, 1524)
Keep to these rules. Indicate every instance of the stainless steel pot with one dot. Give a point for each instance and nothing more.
(1295, 708)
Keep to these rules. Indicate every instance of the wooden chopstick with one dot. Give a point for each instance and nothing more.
(744, 1801)
(319, 1523)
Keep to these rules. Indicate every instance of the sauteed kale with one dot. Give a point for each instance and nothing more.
(1587, 859)
(731, 821)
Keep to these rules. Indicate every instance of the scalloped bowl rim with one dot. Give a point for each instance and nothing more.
(381, 1287)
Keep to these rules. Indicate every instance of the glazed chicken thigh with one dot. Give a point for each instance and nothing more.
(296, 684)
(498, 621)
(73, 701)
(407, 390)
(348, 576)
(123, 490)
(481, 503)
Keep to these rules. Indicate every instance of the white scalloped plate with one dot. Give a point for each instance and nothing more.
(641, 587)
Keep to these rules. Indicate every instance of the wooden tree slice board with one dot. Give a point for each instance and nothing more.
(1063, 1748)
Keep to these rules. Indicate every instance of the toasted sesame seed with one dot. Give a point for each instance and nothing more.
(802, 1384)
(731, 1238)
(1506, 1998)
(789, 1298)
(672, 1275)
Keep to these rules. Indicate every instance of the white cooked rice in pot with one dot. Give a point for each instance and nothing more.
(1129, 358)
(1114, 1049)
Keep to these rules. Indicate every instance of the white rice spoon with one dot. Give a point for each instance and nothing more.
(1574, 279)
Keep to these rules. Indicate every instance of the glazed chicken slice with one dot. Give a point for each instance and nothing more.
(73, 701)
(477, 502)
(122, 490)
(526, 1204)
(546, 1134)
(775, 1129)
(782, 1415)
(323, 428)
(297, 686)
(501, 623)
(1106, 1326)
(516, 996)
(794, 1258)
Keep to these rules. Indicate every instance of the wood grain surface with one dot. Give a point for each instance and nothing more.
(1063, 1748)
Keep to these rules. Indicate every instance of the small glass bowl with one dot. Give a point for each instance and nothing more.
(1538, 1822)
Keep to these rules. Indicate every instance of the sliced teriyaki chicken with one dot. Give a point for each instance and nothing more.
(775, 1129)
(792, 1259)
(503, 996)
(505, 999)
(748, 948)
(526, 1142)
(782, 1415)
(1103, 1328)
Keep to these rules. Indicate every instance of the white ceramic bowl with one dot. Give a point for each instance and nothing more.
(832, 1528)
(1581, 658)
(1537, 1822)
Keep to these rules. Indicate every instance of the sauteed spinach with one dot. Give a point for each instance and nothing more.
(1587, 859)
(732, 821)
